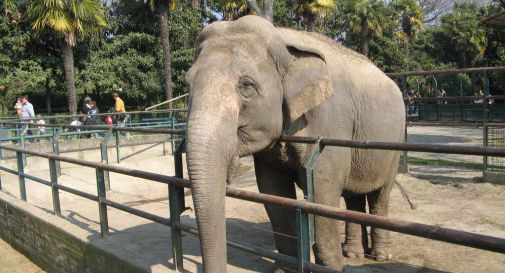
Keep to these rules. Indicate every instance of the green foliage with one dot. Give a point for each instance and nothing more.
(72, 19)
(127, 63)
(465, 33)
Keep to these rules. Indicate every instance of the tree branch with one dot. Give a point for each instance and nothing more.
(254, 6)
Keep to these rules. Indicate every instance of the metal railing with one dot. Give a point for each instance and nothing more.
(12, 129)
(303, 209)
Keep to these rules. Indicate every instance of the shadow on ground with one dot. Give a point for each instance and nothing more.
(149, 246)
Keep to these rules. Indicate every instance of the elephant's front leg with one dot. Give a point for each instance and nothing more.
(356, 235)
(378, 202)
(328, 184)
(274, 179)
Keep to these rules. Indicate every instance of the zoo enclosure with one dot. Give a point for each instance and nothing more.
(304, 210)
(455, 111)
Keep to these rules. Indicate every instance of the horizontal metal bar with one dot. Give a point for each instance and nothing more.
(98, 147)
(263, 252)
(100, 114)
(36, 179)
(139, 213)
(411, 147)
(461, 98)
(444, 124)
(114, 128)
(433, 232)
(77, 192)
(25, 175)
(447, 71)
(165, 179)
(2, 168)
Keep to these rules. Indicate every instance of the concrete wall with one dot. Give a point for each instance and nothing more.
(55, 244)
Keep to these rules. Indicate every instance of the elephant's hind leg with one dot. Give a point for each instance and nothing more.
(378, 202)
(356, 235)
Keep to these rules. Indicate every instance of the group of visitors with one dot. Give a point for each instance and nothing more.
(25, 112)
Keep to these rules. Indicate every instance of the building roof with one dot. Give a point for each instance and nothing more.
(495, 20)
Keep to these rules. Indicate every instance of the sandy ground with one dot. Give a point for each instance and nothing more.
(12, 261)
(447, 197)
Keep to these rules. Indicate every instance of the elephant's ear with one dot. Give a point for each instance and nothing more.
(306, 85)
(306, 82)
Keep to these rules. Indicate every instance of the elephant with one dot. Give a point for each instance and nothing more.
(252, 83)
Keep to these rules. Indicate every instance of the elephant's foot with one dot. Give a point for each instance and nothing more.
(382, 253)
(337, 262)
(353, 251)
(281, 268)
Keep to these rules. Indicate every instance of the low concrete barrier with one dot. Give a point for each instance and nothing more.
(55, 244)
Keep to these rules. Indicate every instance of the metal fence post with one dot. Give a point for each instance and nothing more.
(21, 177)
(303, 239)
(172, 126)
(118, 140)
(309, 169)
(485, 133)
(56, 148)
(177, 204)
(104, 153)
(22, 145)
(54, 189)
(102, 207)
(405, 87)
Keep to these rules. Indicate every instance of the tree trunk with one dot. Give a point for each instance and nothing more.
(268, 10)
(195, 3)
(364, 38)
(165, 41)
(311, 22)
(48, 101)
(68, 66)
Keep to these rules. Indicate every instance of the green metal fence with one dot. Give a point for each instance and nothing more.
(303, 209)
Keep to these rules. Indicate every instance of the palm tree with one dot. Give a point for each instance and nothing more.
(312, 10)
(467, 35)
(233, 9)
(411, 17)
(366, 18)
(163, 7)
(72, 20)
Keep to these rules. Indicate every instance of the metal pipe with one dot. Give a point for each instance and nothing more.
(165, 102)
(165, 179)
(137, 212)
(100, 115)
(77, 192)
(413, 147)
(445, 71)
(116, 128)
(433, 232)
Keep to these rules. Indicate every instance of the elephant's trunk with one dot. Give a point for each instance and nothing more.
(212, 141)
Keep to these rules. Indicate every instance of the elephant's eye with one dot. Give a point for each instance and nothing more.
(247, 87)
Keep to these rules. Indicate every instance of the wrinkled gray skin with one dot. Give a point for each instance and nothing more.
(252, 83)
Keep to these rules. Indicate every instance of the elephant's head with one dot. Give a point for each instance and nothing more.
(247, 85)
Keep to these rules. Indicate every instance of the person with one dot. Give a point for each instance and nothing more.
(17, 107)
(479, 97)
(86, 110)
(94, 120)
(27, 114)
(120, 108)
(41, 128)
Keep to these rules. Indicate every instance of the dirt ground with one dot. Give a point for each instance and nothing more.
(448, 197)
(12, 261)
